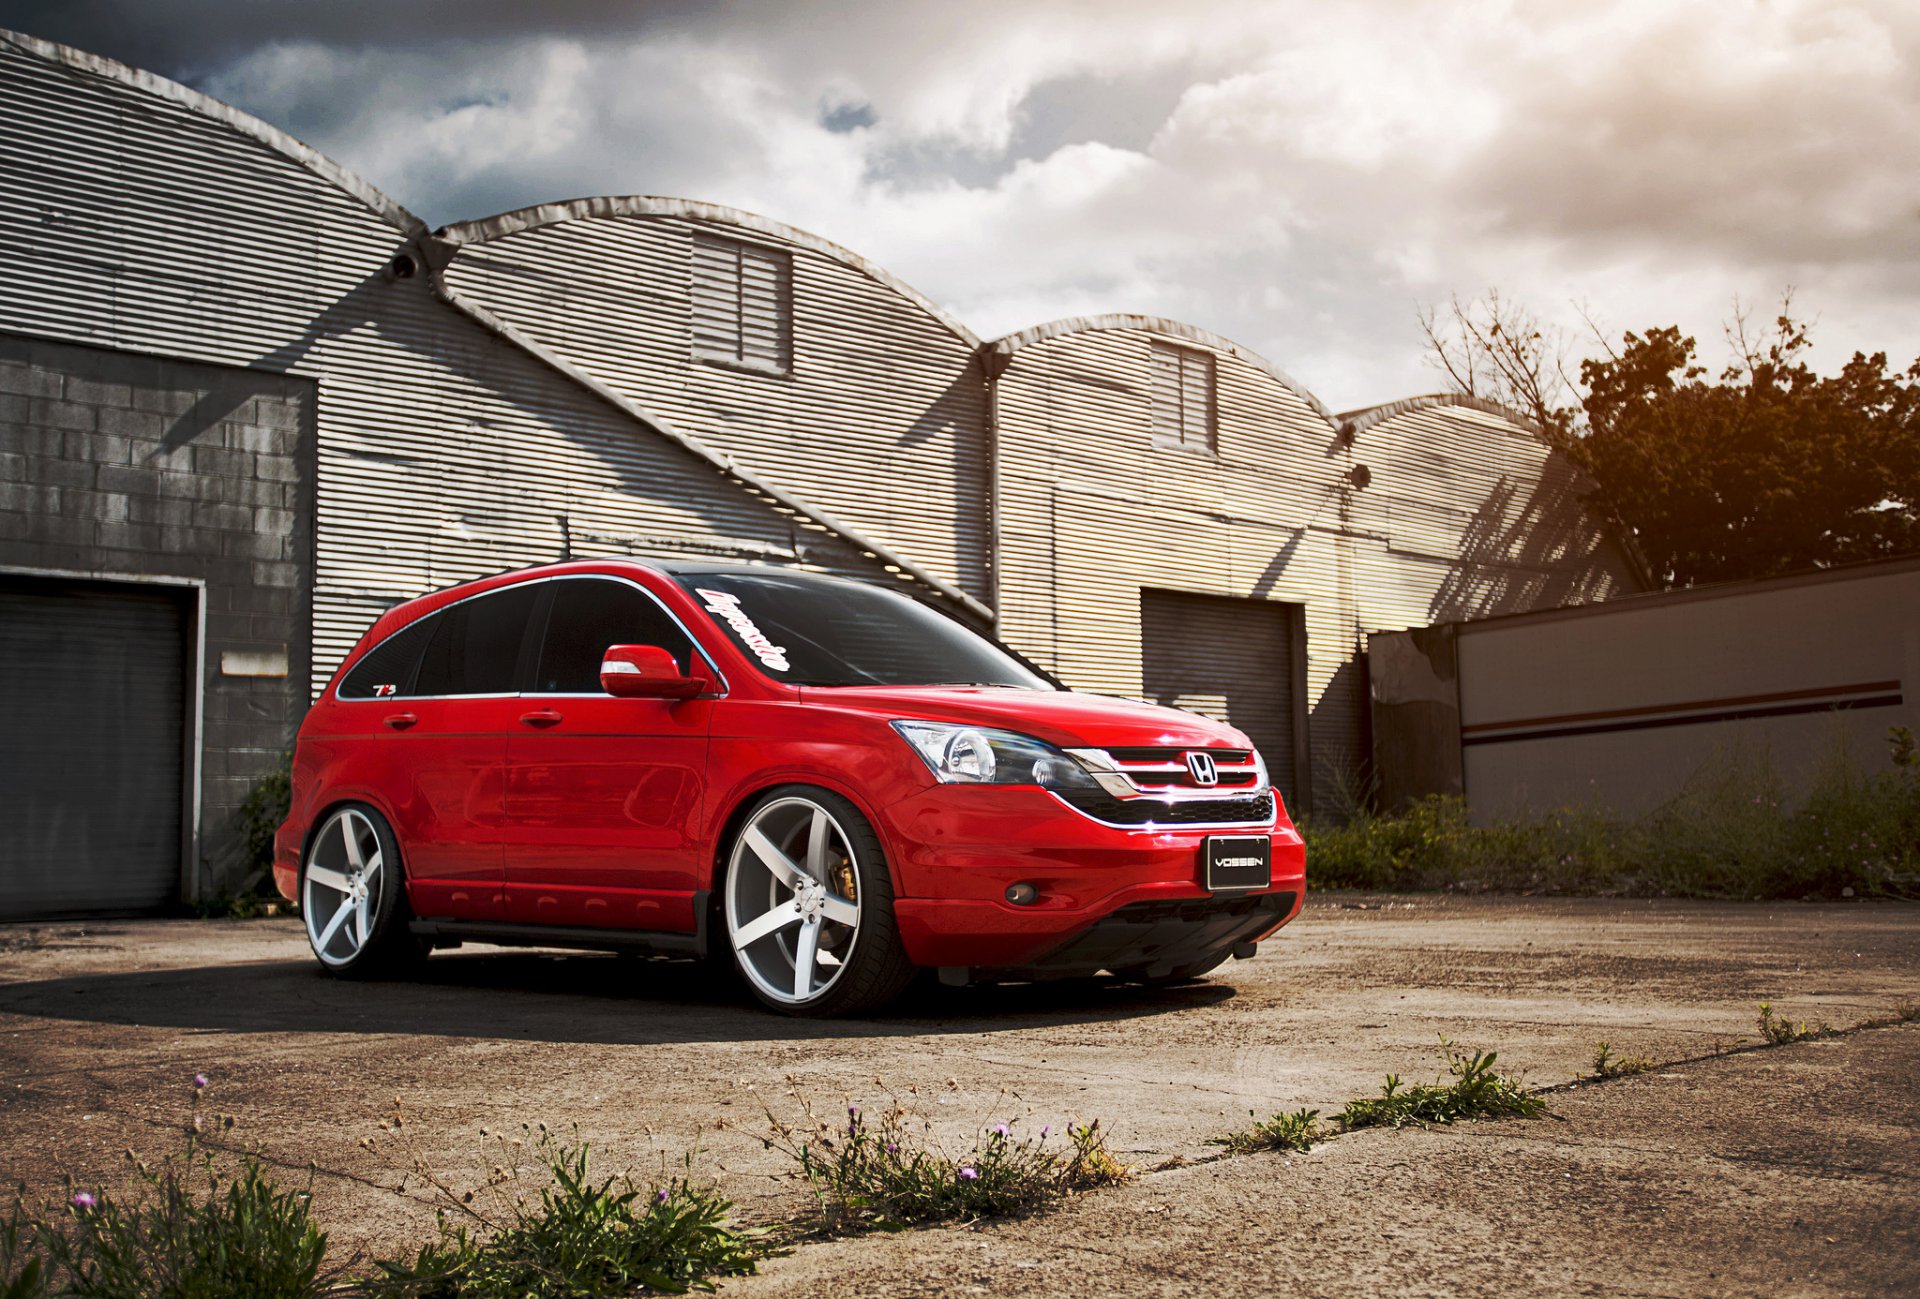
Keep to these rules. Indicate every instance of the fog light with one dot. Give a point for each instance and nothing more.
(1022, 894)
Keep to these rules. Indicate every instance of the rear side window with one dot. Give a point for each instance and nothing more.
(590, 615)
(387, 669)
(475, 649)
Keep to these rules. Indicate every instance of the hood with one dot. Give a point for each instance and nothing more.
(1060, 717)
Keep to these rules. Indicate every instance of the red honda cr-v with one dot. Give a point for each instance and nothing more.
(830, 784)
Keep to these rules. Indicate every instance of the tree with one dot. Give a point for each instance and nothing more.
(1493, 348)
(1769, 469)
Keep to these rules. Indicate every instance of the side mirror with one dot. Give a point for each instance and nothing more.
(647, 672)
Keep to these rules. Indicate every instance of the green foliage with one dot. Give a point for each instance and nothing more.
(23, 1264)
(1608, 1065)
(262, 810)
(1296, 1131)
(581, 1236)
(893, 1173)
(1732, 831)
(1771, 469)
(1476, 1092)
(193, 1228)
(1779, 1032)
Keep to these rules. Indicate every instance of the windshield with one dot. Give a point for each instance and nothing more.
(814, 631)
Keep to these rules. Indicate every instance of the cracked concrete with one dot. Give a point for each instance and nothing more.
(1686, 1181)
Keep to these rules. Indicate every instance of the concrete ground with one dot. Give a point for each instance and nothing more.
(1791, 1171)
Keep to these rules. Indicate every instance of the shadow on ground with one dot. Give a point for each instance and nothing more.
(524, 996)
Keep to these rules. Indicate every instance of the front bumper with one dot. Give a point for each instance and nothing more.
(1103, 890)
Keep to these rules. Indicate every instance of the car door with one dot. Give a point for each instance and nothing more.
(603, 793)
(440, 734)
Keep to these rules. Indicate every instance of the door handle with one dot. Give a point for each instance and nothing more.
(400, 721)
(540, 717)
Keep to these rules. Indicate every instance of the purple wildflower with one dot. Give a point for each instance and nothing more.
(853, 1111)
(893, 1148)
(660, 1197)
(1002, 1131)
(1043, 1131)
(83, 1200)
(967, 1174)
(199, 1081)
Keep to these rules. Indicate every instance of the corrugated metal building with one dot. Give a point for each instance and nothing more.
(1144, 464)
(350, 409)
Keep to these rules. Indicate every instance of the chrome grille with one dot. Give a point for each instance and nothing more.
(1165, 772)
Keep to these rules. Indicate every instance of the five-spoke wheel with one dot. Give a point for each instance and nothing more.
(352, 893)
(809, 907)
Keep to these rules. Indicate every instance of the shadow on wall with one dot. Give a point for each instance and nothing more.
(959, 413)
(1543, 553)
(1341, 754)
(509, 381)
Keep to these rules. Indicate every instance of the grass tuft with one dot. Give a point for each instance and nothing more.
(1608, 1065)
(892, 1172)
(1779, 1032)
(1476, 1092)
(1296, 1131)
(582, 1237)
(196, 1225)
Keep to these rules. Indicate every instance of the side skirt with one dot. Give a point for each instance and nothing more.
(647, 942)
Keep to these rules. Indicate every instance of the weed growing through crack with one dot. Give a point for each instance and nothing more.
(1476, 1092)
(889, 1170)
(1779, 1032)
(1608, 1065)
(1903, 1012)
(577, 1235)
(1296, 1131)
(195, 1225)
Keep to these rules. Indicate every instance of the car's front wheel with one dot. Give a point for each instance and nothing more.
(809, 906)
(353, 895)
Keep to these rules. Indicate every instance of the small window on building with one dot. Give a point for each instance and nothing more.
(1183, 400)
(742, 304)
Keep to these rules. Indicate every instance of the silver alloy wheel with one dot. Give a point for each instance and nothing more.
(793, 900)
(340, 893)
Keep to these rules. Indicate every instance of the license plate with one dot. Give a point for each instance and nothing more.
(1238, 861)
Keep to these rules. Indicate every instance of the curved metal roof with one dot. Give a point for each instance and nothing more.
(244, 123)
(1002, 349)
(1356, 422)
(462, 233)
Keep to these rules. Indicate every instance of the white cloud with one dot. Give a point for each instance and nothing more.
(1323, 170)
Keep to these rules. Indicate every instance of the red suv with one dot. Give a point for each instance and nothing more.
(827, 785)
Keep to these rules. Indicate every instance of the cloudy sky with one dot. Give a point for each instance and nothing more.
(1298, 176)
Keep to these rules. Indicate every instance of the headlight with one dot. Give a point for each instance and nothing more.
(972, 755)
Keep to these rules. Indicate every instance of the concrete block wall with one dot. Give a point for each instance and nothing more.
(114, 463)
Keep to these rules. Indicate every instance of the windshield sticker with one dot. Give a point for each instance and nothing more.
(728, 608)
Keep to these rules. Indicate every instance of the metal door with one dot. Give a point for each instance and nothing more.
(93, 749)
(1240, 661)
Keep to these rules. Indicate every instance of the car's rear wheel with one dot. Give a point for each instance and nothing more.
(353, 895)
(809, 906)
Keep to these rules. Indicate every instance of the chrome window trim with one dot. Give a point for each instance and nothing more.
(692, 639)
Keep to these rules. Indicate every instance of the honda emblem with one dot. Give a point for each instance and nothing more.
(1202, 768)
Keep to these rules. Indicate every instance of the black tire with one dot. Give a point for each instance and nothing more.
(335, 875)
(870, 965)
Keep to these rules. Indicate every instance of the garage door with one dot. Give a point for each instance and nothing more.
(1233, 659)
(93, 697)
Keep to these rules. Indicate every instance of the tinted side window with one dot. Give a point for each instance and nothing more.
(587, 617)
(476, 647)
(387, 669)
